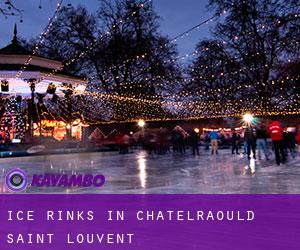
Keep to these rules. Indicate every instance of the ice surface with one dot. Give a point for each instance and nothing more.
(141, 173)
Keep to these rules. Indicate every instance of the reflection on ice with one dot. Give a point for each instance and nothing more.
(141, 159)
(252, 165)
(171, 173)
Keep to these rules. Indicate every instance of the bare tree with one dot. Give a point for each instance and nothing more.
(9, 8)
(250, 44)
(120, 49)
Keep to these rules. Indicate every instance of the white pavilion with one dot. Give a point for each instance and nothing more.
(24, 75)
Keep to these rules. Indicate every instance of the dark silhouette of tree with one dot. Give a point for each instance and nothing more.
(121, 48)
(9, 8)
(250, 44)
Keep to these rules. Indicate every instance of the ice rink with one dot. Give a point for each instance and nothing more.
(141, 173)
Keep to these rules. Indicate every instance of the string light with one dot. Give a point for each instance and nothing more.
(91, 46)
(185, 103)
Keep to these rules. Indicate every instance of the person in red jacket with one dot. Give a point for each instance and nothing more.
(276, 134)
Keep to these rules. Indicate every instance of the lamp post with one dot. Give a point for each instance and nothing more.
(141, 124)
(68, 91)
(32, 84)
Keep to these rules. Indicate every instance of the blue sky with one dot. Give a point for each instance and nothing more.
(176, 17)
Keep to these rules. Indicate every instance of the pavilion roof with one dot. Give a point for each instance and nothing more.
(15, 47)
(14, 53)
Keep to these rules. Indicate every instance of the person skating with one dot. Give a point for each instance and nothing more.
(194, 140)
(261, 136)
(214, 141)
(235, 139)
(290, 143)
(206, 141)
(276, 134)
(250, 139)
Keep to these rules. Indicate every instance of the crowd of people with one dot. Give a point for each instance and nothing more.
(284, 142)
(253, 140)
